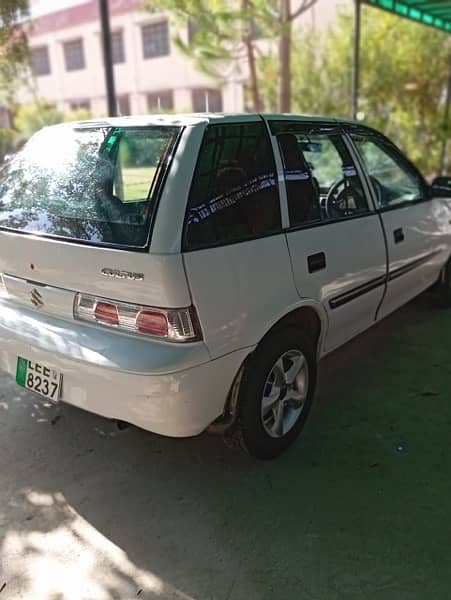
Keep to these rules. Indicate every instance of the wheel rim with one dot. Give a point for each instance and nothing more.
(285, 393)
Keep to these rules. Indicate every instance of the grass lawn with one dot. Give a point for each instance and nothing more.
(136, 183)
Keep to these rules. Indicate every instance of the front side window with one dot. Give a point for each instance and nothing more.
(321, 180)
(40, 62)
(97, 185)
(394, 180)
(155, 39)
(74, 56)
(234, 195)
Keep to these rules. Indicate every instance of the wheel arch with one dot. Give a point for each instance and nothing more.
(308, 314)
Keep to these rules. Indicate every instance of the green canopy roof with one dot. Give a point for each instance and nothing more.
(436, 13)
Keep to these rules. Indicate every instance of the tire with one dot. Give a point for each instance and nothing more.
(444, 286)
(259, 429)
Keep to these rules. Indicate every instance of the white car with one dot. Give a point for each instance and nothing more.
(182, 272)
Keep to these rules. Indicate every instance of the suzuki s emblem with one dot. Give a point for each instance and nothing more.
(36, 299)
(118, 274)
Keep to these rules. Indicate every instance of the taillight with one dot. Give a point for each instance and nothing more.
(107, 313)
(154, 323)
(177, 325)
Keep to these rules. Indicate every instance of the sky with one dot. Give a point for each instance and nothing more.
(40, 7)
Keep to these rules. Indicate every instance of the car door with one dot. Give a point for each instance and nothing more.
(234, 249)
(335, 237)
(417, 238)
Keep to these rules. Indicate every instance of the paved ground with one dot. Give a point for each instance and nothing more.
(359, 509)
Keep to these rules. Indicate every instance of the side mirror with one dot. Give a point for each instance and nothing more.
(441, 187)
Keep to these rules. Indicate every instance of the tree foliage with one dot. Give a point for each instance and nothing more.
(224, 37)
(404, 70)
(13, 47)
(6, 142)
(32, 117)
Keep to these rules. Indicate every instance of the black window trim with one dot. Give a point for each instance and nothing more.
(370, 133)
(331, 127)
(184, 247)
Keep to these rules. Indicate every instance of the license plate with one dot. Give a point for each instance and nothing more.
(39, 378)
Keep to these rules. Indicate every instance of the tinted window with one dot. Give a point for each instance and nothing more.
(394, 180)
(98, 185)
(321, 180)
(234, 194)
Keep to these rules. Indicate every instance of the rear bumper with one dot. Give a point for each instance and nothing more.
(174, 390)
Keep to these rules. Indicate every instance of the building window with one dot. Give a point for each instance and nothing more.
(155, 40)
(80, 105)
(74, 56)
(123, 105)
(117, 47)
(206, 100)
(160, 101)
(40, 62)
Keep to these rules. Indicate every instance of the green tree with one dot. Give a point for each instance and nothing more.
(13, 47)
(224, 34)
(32, 117)
(400, 93)
(6, 142)
(221, 35)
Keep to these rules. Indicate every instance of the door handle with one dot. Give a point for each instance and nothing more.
(316, 262)
(398, 235)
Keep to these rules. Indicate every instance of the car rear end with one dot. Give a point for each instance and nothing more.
(95, 307)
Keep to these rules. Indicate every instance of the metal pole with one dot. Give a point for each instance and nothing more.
(445, 123)
(107, 57)
(356, 71)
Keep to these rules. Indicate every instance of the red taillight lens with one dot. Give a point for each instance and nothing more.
(171, 324)
(105, 312)
(153, 323)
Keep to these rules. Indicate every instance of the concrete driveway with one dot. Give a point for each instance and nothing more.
(358, 509)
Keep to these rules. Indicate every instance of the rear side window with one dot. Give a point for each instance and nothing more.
(234, 195)
(96, 185)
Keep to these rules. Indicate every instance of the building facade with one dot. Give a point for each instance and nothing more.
(151, 74)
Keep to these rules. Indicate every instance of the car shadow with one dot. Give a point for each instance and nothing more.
(358, 508)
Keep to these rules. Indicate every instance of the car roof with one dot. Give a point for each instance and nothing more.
(193, 119)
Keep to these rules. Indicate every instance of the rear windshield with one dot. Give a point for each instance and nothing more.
(94, 185)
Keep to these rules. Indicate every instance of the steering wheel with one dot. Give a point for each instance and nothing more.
(336, 203)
